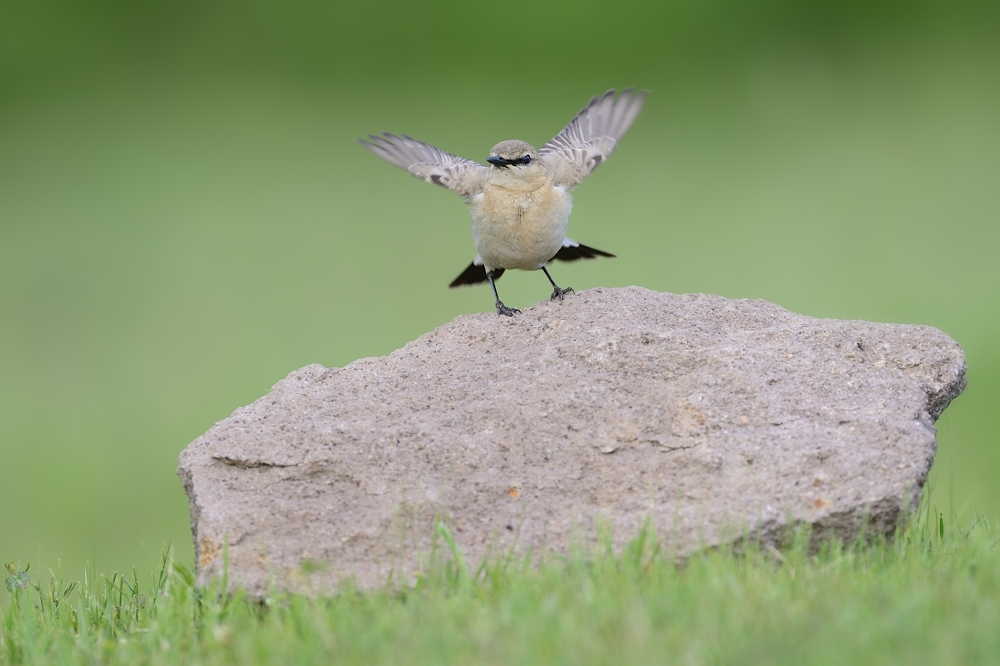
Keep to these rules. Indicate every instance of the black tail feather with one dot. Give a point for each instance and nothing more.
(475, 274)
(572, 253)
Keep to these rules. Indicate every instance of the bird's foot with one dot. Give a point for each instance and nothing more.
(504, 310)
(559, 293)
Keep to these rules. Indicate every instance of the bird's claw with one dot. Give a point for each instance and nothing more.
(504, 310)
(559, 293)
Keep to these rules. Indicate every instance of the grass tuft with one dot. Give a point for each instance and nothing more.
(929, 595)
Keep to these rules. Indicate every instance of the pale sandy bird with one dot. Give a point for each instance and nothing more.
(520, 203)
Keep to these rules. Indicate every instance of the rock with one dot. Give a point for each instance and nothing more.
(704, 416)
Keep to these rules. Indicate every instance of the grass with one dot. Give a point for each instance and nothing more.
(931, 595)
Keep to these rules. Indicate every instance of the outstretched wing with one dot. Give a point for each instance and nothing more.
(591, 136)
(428, 163)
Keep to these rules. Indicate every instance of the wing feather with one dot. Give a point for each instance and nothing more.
(591, 136)
(428, 163)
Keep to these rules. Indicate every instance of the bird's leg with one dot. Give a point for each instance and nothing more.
(556, 291)
(501, 308)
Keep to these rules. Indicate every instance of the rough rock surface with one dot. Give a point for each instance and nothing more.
(705, 416)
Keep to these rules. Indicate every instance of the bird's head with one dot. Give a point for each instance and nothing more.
(516, 165)
(513, 153)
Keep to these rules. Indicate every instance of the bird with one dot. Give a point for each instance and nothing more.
(520, 199)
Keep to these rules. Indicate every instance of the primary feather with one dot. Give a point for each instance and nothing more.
(428, 163)
(591, 136)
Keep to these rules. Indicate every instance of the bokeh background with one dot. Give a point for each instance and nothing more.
(185, 216)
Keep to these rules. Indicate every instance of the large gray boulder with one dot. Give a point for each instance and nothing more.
(708, 418)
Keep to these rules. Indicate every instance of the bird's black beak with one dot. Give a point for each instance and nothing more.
(497, 161)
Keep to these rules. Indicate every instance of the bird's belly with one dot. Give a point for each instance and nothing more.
(519, 229)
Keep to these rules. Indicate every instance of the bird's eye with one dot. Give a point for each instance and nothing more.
(526, 159)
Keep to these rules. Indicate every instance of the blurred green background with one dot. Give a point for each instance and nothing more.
(185, 216)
